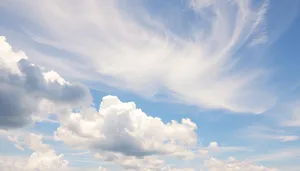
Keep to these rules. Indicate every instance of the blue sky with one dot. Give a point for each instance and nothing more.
(185, 85)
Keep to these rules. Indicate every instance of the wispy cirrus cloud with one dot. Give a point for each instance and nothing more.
(278, 155)
(118, 133)
(147, 56)
(292, 115)
(261, 132)
(203, 53)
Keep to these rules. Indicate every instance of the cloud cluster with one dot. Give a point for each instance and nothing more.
(118, 132)
(233, 165)
(143, 54)
(27, 89)
(43, 158)
(120, 127)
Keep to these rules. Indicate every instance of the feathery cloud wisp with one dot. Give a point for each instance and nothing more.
(147, 56)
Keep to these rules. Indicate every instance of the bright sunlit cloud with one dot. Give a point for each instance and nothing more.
(162, 62)
(144, 55)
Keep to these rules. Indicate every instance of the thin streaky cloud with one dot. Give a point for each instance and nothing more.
(131, 55)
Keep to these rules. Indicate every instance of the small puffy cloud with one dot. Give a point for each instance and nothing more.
(214, 148)
(38, 161)
(41, 162)
(43, 158)
(122, 128)
(48, 160)
(35, 143)
(25, 88)
(213, 145)
(232, 164)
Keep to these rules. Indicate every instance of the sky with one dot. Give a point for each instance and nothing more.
(149, 85)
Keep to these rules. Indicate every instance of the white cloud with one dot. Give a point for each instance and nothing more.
(39, 162)
(147, 163)
(44, 158)
(233, 165)
(130, 55)
(261, 132)
(46, 161)
(286, 138)
(27, 90)
(19, 147)
(131, 162)
(213, 145)
(122, 128)
(102, 169)
(278, 155)
(214, 148)
(199, 4)
(292, 115)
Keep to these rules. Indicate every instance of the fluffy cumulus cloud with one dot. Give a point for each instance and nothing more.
(117, 133)
(27, 89)
(142, 52)
(121, 127)
(40, 162)
(43, 158)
